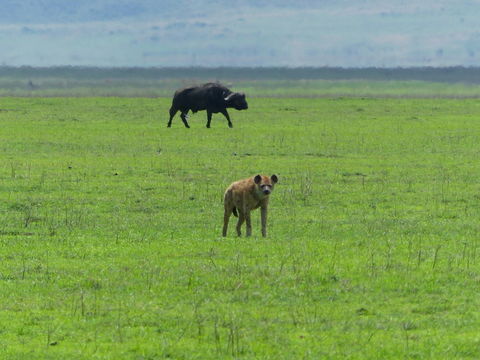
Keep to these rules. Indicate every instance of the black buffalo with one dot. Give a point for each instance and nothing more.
(214, 98)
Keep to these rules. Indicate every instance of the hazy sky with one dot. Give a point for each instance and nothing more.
(240, 33)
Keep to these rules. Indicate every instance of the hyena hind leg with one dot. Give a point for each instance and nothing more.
(241, 220)
(226, 219)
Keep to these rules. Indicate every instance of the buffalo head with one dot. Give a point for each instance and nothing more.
(237, 101)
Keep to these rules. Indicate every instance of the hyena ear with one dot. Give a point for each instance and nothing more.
(257, 179)
(274, 178)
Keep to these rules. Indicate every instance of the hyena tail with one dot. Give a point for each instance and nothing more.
(235, 211)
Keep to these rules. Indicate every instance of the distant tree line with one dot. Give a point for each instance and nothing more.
(432, 74)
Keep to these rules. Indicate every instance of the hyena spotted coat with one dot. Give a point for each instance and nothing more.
(246, 195)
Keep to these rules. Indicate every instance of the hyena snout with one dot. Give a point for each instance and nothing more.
(266, 189)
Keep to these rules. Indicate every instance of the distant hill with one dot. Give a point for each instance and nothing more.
(458, 82)
(213, 33)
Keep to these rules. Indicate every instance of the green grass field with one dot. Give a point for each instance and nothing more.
(110, 230)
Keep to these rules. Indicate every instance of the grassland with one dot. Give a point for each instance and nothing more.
(110, 225)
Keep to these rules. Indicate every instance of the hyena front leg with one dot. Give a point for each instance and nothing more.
(249, 223)
(263, 210)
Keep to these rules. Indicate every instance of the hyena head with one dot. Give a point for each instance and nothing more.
(265, 184)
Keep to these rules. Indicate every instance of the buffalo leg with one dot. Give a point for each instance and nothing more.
(209, 118)
(173, 111)
(225, 113)
(183, 115)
